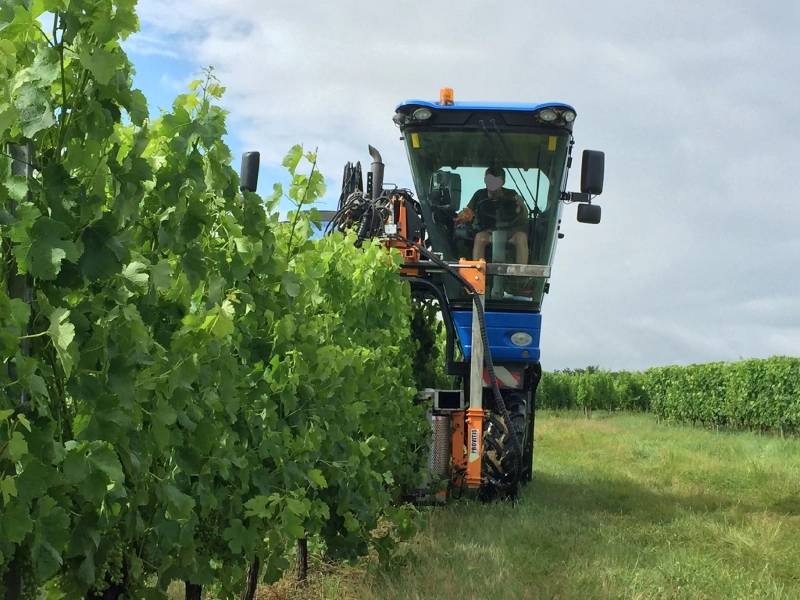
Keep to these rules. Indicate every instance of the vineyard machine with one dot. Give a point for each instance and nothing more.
(485, 257)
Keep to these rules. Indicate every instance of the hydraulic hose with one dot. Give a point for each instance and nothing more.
(487, 359)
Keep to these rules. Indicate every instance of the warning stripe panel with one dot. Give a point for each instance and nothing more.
(507, 378)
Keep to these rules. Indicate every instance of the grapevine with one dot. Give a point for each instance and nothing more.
(754, 394)
(187, 353)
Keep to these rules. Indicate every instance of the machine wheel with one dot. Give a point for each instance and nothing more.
(499, 462)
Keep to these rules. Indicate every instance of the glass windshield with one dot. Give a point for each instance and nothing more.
(492, 196)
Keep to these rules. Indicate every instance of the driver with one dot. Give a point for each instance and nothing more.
(494, 179)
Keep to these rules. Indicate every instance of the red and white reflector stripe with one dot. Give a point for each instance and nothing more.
(505, 377)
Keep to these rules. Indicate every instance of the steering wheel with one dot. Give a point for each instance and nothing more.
(501, 209)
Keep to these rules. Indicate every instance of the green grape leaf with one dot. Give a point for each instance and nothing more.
(179, 505)
(292, 159)
(33, 481)
(52, 5)
(48, 244)
(17, 446)
(17, 523)
(62, 332)
(138, 108)
(51, 536)
(5, 216)
(162, 272)
(350, 522)
(46, 559)
(76, 468)
(8, 117)
(87, 570)
(292, 524)
(160, 434)
(20, 313)
(105, 459)
(222, 323)
(100, 258)
(297, 507)
(102, 63)
(34, 110)
(136, 273)
(17, 187)
(92, 467)
(239, 537)
(8, 487)
(291, 283)
(262, 507)
(44, 70)
(125, 19)
(316, 478)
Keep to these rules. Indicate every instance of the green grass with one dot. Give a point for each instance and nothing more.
(620, 507)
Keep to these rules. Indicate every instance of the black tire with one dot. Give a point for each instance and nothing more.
(499, 462)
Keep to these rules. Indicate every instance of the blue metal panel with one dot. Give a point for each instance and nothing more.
(499, 327)
(516, 106)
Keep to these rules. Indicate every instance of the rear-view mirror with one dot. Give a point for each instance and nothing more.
(589, 213)
(249, 175)
(593, 166)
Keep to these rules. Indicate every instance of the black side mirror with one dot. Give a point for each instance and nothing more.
(589, 213)
(249, 175)
(593, 167)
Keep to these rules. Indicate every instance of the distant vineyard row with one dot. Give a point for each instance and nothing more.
(751, 394)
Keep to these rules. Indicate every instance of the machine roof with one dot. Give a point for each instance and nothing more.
(477, 105)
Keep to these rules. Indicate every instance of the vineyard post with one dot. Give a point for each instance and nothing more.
(301, 561)
(19, 286)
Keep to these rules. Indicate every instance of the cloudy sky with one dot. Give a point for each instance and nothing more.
(697, 258)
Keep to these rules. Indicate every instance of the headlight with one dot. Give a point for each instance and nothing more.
(422, 114)
(520, 338)
(569, 116)
(548, 114)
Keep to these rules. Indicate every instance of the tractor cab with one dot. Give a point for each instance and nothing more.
(490, 179)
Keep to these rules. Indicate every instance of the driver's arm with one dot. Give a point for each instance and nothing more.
(468, 212)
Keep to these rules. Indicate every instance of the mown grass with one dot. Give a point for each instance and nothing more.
(620, 507)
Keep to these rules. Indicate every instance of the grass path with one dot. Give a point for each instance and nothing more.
(620, 507)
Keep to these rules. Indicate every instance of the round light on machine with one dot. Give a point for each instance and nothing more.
(548, 114)
(422, 114)
(569, 116)
(520, 338)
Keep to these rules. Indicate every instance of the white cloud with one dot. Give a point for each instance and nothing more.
(151, 45)
(695, 107)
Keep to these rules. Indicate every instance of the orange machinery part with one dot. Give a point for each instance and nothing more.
(474, 429)
(475, 273)
(466, 451)
(410, 253)
(458, 451)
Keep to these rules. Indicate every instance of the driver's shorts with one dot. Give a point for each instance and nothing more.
(516, 227)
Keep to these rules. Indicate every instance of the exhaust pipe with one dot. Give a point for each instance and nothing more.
(377, 173)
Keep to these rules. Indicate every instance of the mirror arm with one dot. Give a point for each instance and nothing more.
(576, 197)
